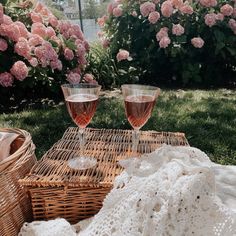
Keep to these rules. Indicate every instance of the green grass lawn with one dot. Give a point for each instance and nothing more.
(208, 118)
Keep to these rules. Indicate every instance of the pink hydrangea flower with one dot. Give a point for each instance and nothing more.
(163, 32)
(46, 54)
(39, 54)
(57, 40)
(164, 42)
(101, 21)
(73, 78)
(134, 14)
(39, 7)
(68, 53)
(80, 48)
(154, 17)
(50, 32)
(232, 25)
(39, 29)
(35, 40)
(234, 13)
(7, 20)
(88, 77)
(117, 11)
(63, 26)
(177, 3)
(11, 31)
(76, 31)
(77, 70)
(226, 10)
(208, 3)
(122, 55)
(19, 70)
(105, 43)
(45, 12)
(66, 34)
(110, 8)
(177, 30)
(56, 64)
(53, 21)
(210, 19)
(6, 79)
(82, 60)
(86, 45)
(186, 9)
(155, 1)
(197, 42)
(22, 48)
(219, 16)
(167, 9)
(23, 31)
(49, 51)
(36, 17)
(146, 8)
(3, 45)
(33, 62)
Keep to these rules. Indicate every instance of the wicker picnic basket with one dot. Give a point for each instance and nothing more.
(58, 191)
(15, 207)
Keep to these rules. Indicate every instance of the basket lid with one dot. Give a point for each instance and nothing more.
(106, 145)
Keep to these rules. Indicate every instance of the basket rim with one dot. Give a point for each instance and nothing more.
(4, 164)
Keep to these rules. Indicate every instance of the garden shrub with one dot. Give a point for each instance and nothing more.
(173, 41)
(103, 66)
(38, 52)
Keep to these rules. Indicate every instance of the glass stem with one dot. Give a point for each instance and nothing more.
(135, 141)
(82, 141)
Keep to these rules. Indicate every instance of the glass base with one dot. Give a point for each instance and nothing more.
(82, 163)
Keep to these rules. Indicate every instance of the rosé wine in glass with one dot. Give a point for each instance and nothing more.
(139, 109)
(139, 103)
(81, 101)
(81, 108)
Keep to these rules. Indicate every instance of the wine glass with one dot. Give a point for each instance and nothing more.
(139, 103)
(81, 101)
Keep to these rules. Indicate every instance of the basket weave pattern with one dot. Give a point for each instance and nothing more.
(14, 202)
(58, 191)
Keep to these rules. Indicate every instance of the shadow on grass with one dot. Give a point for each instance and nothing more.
(208, 123)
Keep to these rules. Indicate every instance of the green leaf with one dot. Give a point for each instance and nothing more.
(3, 2)
(219, 46)
(70, 44)
(232, 51)
(220, 37)
(54, 44)
(122, 72)
(181, 39)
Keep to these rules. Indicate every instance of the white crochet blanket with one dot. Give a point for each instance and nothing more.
(171, 191)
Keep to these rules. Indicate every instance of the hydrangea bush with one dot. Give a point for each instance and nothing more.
(37, 50)
(188, 41)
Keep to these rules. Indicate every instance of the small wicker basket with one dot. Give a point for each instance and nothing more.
(58, 191)
(15, 207)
